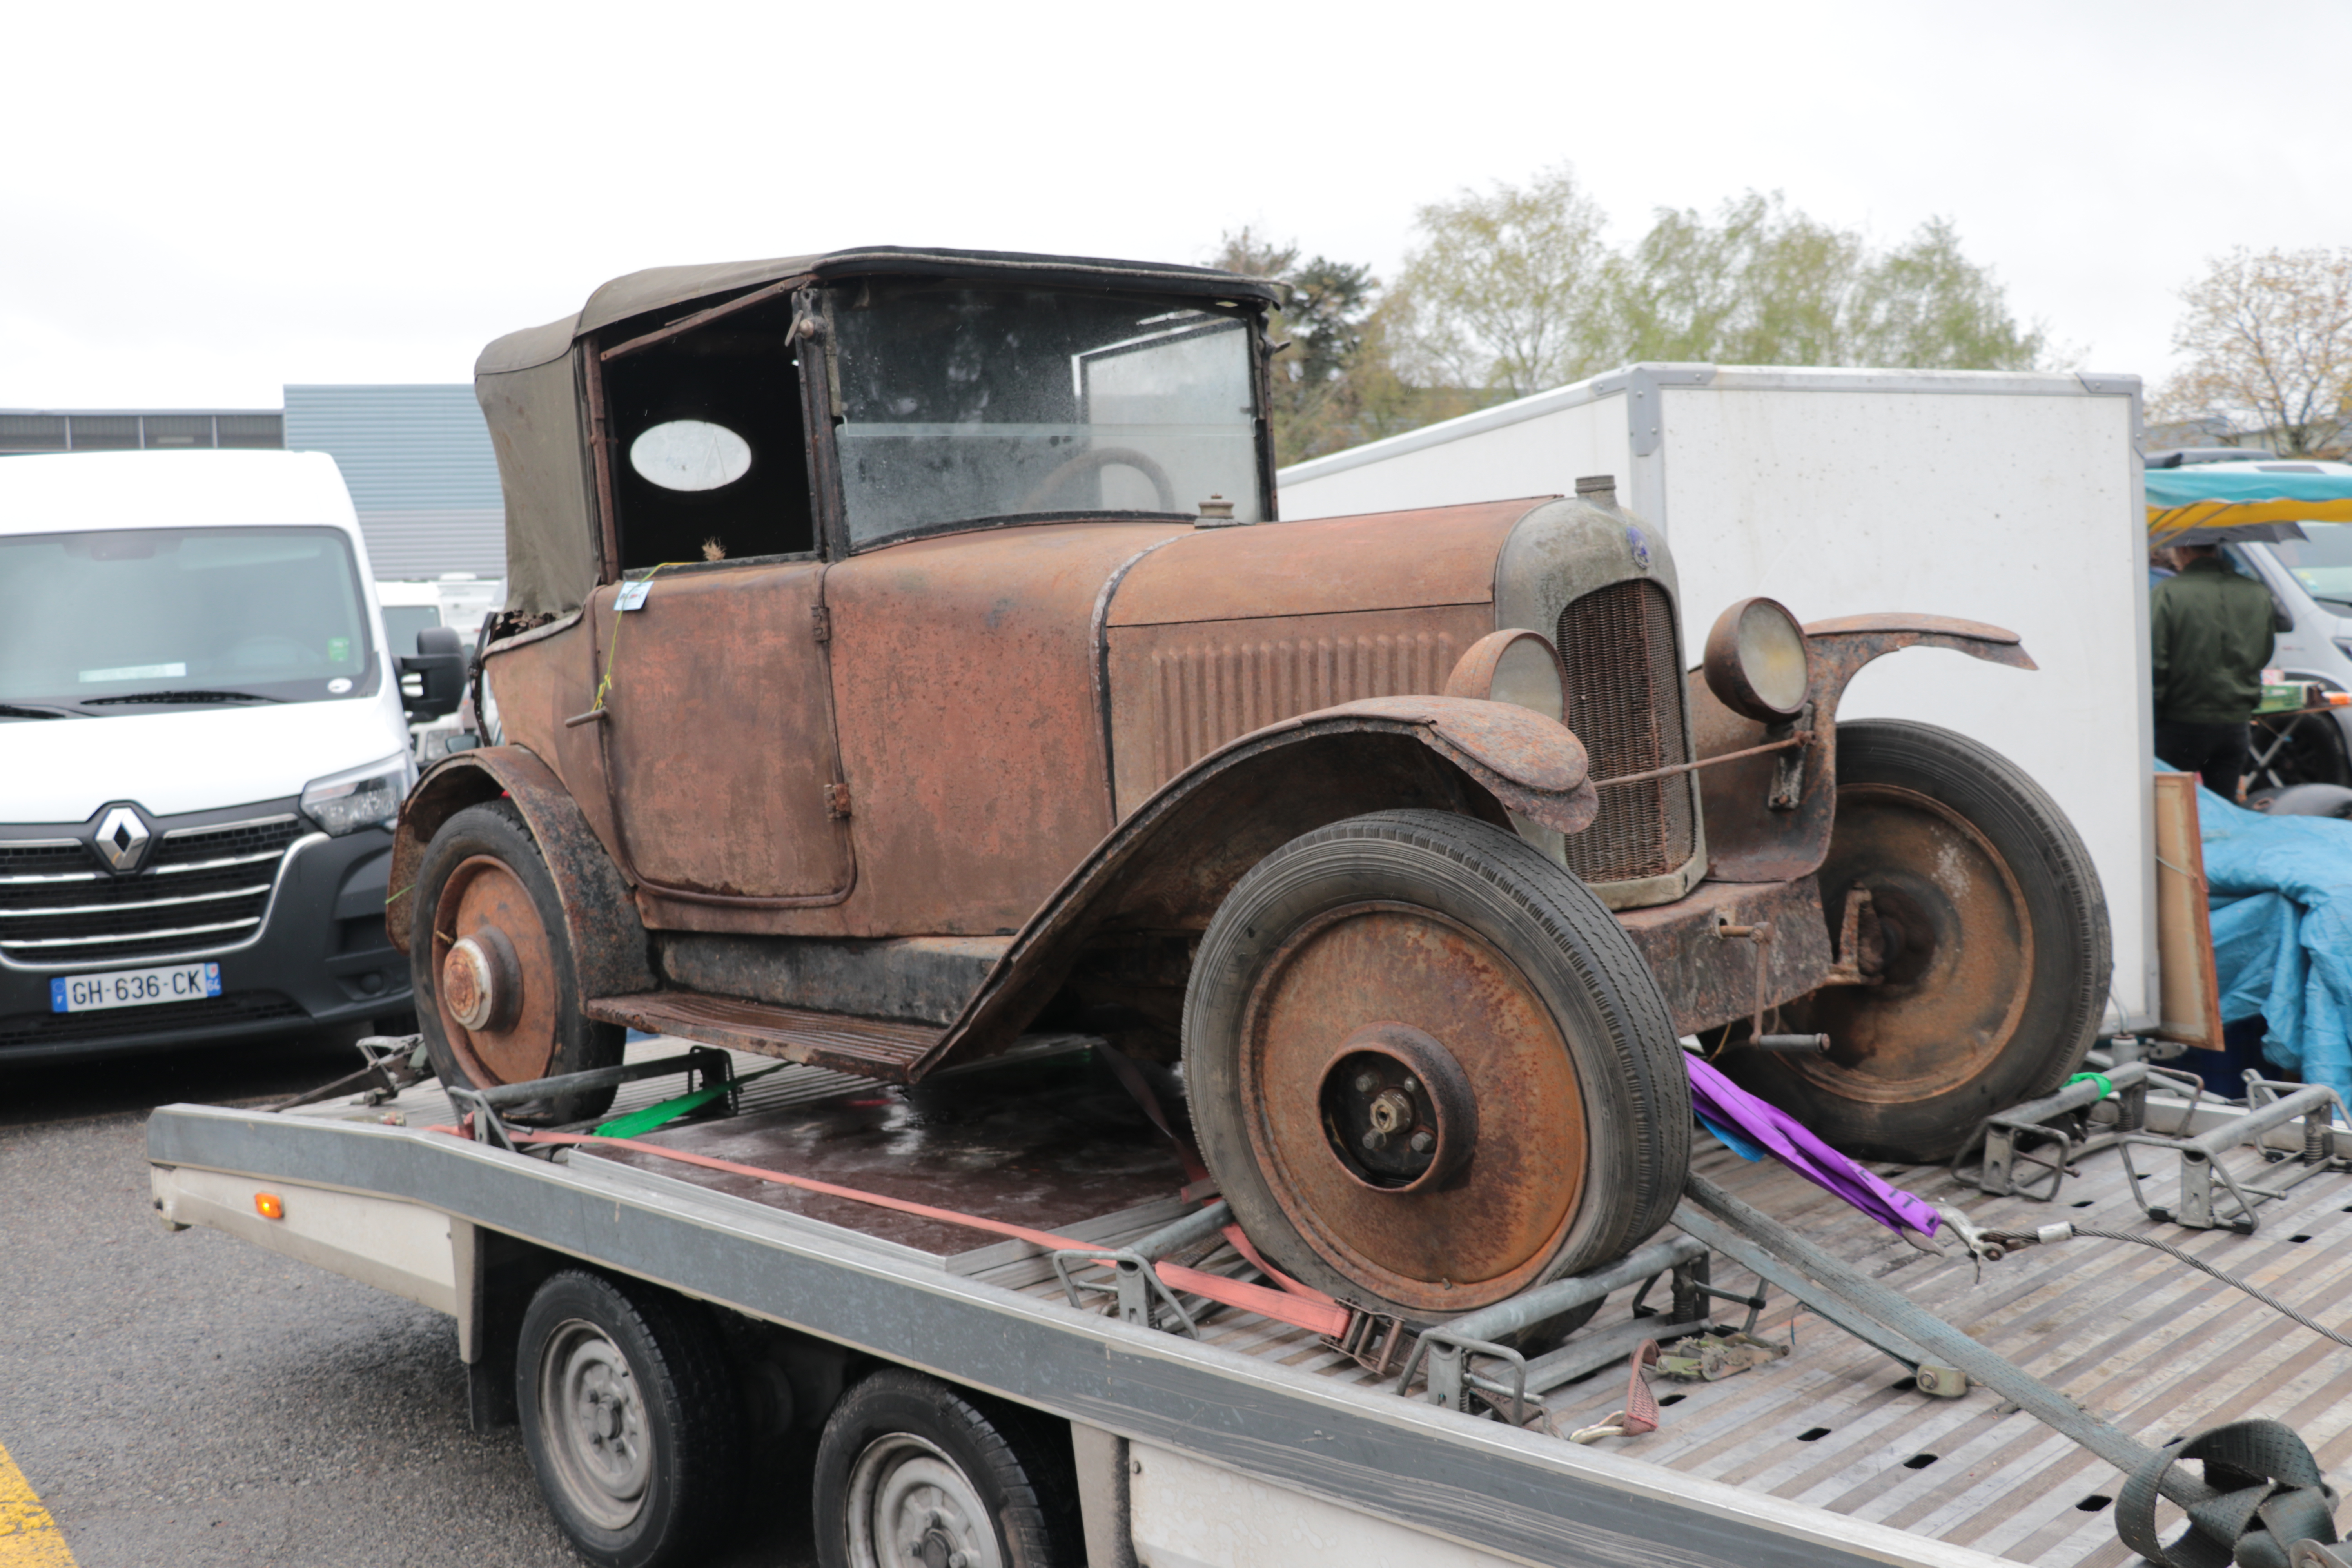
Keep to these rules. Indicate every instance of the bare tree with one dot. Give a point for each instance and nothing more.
(2269, 340)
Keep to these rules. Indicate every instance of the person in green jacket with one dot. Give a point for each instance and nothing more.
(2209, 636)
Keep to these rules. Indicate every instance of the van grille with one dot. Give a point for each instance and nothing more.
(203, 888)
(115, 1025)
(1625, 703)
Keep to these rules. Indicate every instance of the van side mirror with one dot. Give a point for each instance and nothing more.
(439, 666)
(2282, 619)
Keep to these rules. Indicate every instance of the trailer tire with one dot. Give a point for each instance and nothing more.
(630, 1419)
(904, 1454)
(482, 869)
(1428, 1067)
(1994, 942)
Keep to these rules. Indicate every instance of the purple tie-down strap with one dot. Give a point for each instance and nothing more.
(1723, 1105)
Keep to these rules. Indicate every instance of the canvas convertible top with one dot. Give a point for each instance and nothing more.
(529, 382)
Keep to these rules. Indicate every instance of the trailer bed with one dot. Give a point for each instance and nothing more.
(1827, 1456)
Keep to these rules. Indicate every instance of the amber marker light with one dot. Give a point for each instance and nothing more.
(269, 1205)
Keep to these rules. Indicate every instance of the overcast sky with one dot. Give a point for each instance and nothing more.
(200, 204)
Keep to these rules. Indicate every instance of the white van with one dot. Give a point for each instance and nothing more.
(203, 748)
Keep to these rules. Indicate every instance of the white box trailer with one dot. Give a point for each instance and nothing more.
(2013, 498)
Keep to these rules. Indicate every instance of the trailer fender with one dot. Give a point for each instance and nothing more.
(1170, 865)
(1748, 839)
(609, 947)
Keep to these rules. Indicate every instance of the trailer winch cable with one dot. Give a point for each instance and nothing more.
(2013, 1239)
(1327, 1318)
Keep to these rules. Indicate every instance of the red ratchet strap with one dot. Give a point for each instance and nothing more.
(1326, 1317)
(1198, 1176)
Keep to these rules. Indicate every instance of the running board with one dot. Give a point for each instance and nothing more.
(871, 1048)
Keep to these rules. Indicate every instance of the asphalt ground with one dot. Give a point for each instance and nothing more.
(187, 1399)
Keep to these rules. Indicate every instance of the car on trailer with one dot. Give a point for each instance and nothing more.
(903, 657)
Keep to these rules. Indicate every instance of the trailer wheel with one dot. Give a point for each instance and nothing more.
(1429, 1069)
(497, 995)
(1991, 931)
(629, 1417)
(911, 1473)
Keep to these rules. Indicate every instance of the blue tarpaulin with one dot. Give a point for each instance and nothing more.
(2281, 910)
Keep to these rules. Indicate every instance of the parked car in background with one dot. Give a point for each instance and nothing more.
(457, 601)
(206, 747)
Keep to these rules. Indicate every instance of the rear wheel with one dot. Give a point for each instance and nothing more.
(1991, 939)
(913, 1474)
(497, 999)
(1429, 1069)
(630, 1419)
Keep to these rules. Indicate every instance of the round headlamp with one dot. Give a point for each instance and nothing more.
(1515, 666)
(1756, 661)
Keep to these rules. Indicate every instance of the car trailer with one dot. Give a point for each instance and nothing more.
(996, 1400)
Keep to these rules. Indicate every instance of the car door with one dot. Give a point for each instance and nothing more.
(718, 736)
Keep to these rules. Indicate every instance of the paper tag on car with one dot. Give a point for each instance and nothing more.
(631, 596)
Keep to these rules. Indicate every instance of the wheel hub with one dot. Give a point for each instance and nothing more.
(481, 980)
(1398, 1110)
(598, 1437)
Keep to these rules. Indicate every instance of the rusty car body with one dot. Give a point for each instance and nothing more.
(904, 656)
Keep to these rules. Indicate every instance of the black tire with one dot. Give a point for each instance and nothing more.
(658, 1486)
(562, 1039)
(1967, 859)
(1000, 1484)
(1469, 939)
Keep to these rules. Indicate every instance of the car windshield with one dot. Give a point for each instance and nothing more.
(121, 622)
(961, 405)
(2321, 560)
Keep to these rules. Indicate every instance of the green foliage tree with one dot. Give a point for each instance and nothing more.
(2269, 340)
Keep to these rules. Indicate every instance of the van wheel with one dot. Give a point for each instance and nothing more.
(497, 997)
(1429, 1069)
(1991, 936)
(910, 1473)
(629, 1417)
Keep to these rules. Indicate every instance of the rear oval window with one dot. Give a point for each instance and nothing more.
(690, 455)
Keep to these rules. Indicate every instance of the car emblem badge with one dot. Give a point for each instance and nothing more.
(1641, 548)
(121, 838)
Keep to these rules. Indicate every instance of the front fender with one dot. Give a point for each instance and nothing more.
(609, 947)
(1171, 862)
(1748, 840)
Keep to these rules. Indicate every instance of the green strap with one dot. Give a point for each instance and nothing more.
(668, 1110)
(2105, 1087)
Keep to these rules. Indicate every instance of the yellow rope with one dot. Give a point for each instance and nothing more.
(613, 648)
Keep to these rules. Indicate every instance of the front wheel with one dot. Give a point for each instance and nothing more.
(1988, 931)
(629, 1416)
(1429, 1069)
(911, 1473)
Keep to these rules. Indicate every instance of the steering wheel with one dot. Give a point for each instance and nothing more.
(1097, 457)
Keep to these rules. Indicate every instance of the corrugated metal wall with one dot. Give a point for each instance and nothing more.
(421, 472)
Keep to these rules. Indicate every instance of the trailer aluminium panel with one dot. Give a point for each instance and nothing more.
(1165, 1430)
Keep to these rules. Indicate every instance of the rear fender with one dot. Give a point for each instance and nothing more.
(1748, 839)
(609, 948)
(1170, 865)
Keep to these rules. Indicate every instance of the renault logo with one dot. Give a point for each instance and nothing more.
(121, 838)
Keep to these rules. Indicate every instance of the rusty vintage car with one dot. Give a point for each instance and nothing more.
(904, 659)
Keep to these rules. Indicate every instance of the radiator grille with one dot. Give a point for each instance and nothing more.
(116, 1024)
(205, 888)
(1625, 703)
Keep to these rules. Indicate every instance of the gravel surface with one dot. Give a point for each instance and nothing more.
(188, 1399)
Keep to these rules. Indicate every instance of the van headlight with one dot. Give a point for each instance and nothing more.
(367, 796)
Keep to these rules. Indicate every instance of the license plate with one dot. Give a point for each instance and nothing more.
(133, 987)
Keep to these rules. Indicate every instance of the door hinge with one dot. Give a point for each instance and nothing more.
(836, 801)
(821, 623)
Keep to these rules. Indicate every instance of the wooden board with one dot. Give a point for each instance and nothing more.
(2189, 993)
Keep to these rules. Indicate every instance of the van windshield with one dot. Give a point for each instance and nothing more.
(961, 405)
(2321, 560)
(126, 621)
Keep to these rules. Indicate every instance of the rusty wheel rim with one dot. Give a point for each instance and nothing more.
(1960, 951)
(486, 923)
(1510, 1161)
